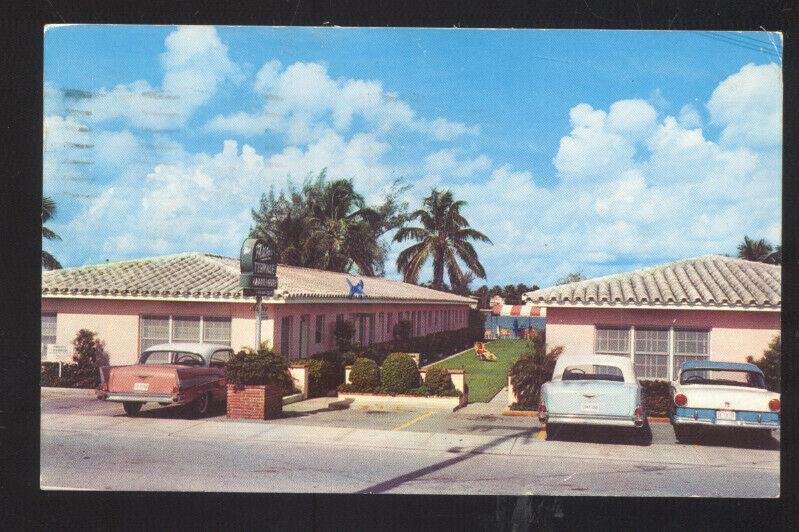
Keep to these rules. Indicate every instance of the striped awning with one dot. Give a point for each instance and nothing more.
(519, 310)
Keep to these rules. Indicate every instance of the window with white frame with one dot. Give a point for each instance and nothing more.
(48, 332)
(613, 341)
(390, 324)
(216, 331)
(651, 356)
(653, 352)
(185, 329)
(166, 329)
(154, 330)
(689, 345)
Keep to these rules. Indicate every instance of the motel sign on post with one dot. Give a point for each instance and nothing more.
(258, 268)
(258, 278)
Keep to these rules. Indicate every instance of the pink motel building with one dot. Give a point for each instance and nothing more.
(714, 307)
(195, 297)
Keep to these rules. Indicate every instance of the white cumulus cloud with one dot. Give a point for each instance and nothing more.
(303, 102)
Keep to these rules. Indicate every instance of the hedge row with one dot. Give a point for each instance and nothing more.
(398, 375)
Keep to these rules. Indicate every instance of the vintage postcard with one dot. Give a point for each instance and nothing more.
(425, 261)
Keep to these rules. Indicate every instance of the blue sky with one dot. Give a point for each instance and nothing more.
(591, 151)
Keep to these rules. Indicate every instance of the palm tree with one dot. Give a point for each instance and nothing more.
(443, 238)
(48, 212)
(344, 231)
(776, 256)
(755, 250)
(327, 225)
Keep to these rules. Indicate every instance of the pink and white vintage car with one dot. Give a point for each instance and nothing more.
(169, 374)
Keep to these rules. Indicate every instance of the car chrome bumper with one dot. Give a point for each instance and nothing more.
(738, 423)
(579, 419)
(140, 397)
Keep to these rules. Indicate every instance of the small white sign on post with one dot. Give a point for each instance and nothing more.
(59, 353)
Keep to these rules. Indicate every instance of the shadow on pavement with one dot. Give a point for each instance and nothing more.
(731, 438)
(607, 435)
(413, 475)
(331, 407)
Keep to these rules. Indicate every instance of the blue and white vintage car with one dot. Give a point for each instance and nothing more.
(722, 394)
(592, 390)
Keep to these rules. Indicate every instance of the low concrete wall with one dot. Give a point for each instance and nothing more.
(457, 375)
(404, 402)
(300, 376)
(511, 393)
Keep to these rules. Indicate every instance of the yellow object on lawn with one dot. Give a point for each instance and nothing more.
(483, 353)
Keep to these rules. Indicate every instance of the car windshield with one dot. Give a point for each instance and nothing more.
(593, 372)
(750, 379)
(183, 358)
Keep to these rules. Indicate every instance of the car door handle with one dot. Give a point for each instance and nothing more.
(589, 395)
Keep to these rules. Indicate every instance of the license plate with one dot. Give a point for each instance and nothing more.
(725, 415)
(589, 407)
(141, 386)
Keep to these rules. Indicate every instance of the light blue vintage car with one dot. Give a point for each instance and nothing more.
(592, 390)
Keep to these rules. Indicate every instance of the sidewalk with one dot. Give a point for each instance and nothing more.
(495, 406)
(518, 443)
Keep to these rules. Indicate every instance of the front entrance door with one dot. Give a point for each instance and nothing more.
(305, 323)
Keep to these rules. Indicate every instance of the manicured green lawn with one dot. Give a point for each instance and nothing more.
(485, 379)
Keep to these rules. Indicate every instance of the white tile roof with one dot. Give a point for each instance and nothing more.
(203, 276)
(712, 280)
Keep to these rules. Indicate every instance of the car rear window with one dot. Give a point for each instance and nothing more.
(183, 358)
(727, 377)
(593, 372)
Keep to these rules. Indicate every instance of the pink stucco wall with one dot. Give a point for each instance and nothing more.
(117, 322)
(733, 334)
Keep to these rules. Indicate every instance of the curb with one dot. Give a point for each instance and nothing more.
(531, 413)
(88, 392)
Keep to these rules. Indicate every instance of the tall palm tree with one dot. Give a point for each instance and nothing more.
(343, 230)
(48, 212)
(755, 250)
(443, 237)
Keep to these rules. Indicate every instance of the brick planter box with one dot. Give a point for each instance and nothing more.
(254, 401)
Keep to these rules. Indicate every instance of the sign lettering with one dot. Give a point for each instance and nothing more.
(258, 265)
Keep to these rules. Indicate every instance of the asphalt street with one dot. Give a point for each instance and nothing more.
(324, 445)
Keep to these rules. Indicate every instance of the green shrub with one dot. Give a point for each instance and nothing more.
(316, 387)
(365, 374)
(437, 380)
(343, 332)
(399, 373)
(770, 364)
(657, 397)
(49, 375)
(348, 358)
(262, 368)
(531, 371)
(89, 355)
